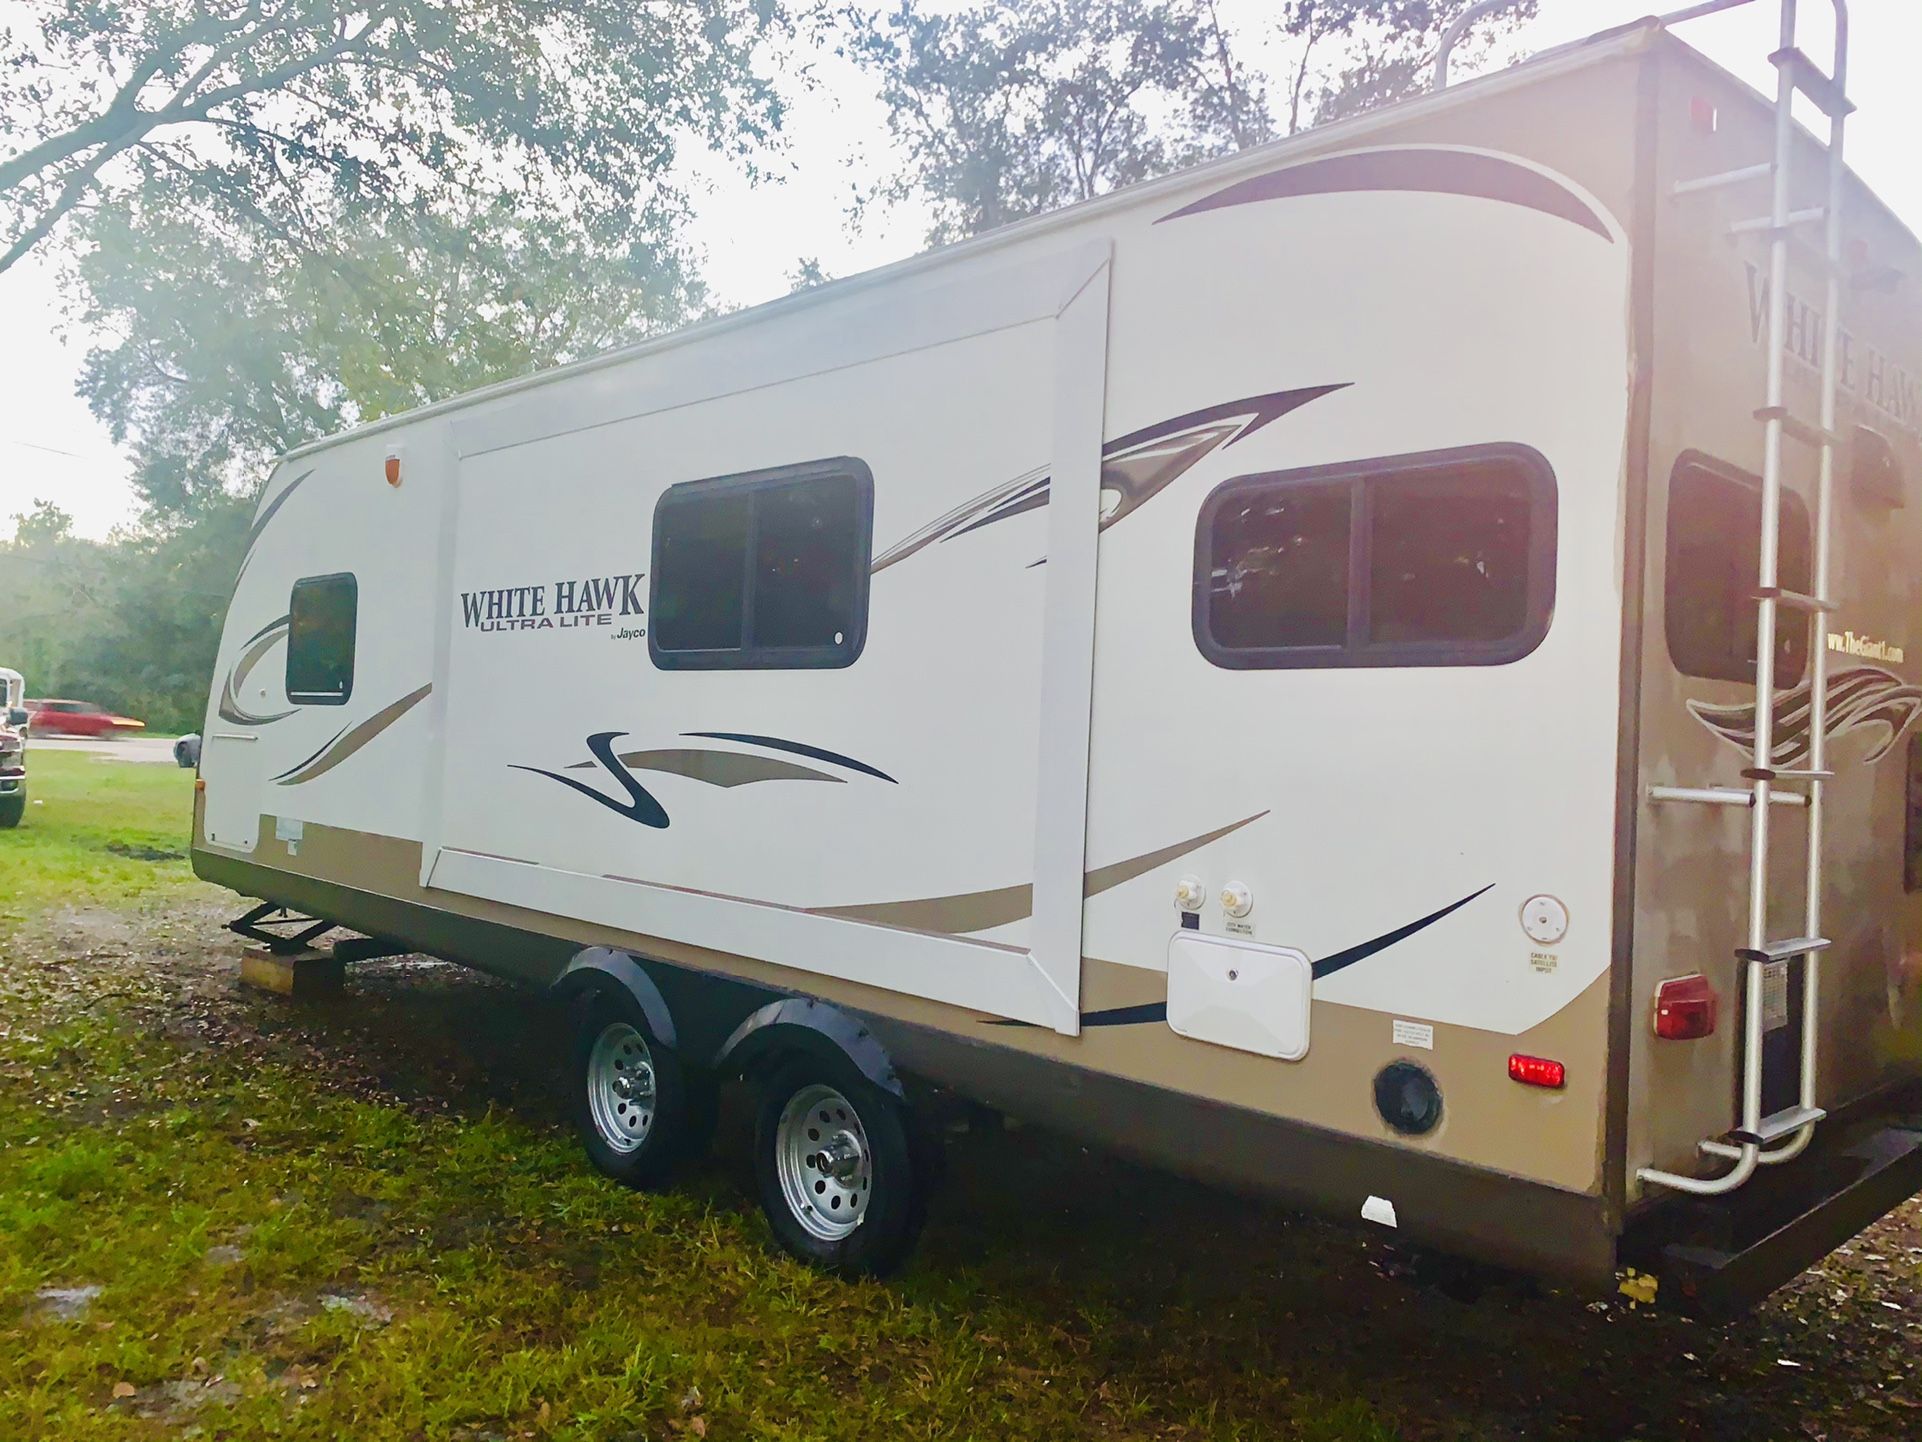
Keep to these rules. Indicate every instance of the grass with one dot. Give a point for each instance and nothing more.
(95, 828)
(279, 1255)
(361, 1220)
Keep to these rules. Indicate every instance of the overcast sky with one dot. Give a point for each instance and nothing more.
(752, 237)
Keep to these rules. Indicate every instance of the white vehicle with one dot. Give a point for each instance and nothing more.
(1258, 670)
(13, 748)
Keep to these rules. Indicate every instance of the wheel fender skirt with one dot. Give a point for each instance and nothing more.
(602, 968)
(798, 1024)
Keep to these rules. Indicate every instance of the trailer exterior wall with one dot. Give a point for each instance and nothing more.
(1447, 277)
(1690, 885)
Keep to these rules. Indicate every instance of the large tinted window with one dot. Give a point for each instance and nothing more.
(320, 640)
(1436, 560)
(1714, 545)
(768, 569)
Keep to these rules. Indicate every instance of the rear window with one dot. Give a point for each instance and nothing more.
(1714, 545)
(1438, 560)
(321, 620)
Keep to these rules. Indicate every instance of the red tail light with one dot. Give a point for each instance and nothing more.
(1537, 1071)
(1685, 1008)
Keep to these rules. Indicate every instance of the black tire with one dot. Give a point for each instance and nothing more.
(634, 1149)
(12, 808)
(894, 1168)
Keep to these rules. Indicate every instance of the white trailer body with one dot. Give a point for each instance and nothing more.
(1190, 668)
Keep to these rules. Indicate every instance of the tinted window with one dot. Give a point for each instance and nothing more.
(320, 640)
(768, 569)
(1448, 558)
(1445, 559)
(1714, 543)
(700, 556)
(1280, 570)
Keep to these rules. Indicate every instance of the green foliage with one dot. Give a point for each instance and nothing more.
(132, 623)
(1014, 107)
(227, 349)
(273, 114)
(1009, 109)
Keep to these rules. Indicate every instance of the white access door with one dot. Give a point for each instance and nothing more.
(914, 821)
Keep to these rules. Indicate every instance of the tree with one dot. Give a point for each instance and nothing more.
(1018, 106)
(132, 623)
(221, 349)
(272, 112)
(1011, 108)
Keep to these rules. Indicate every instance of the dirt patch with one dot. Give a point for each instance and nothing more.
(143, 853)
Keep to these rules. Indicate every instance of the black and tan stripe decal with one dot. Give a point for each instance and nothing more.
(349, 740)
(1436, 170)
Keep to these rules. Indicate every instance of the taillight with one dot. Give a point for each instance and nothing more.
(1684, 1008)
(1536, 1071)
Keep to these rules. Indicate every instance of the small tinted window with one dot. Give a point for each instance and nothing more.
(1714, 541)
(763, 570)
(1437, 560)
(320, 640)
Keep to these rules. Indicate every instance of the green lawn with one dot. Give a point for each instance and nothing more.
(95, 828)
(224, 1215)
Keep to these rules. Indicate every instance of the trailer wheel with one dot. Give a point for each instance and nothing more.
(12, 808)
(631, 1094)
(842, 1182)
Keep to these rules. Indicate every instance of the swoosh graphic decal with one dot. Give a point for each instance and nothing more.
(775, 743)
(716, 768)
(1862, 697)
(974, 911)
(1135, 468)
(231, 708)
(348, 741)
(1341, 960)
(640, 804)
(1435, 170)
(266, 515)
(1154, 1011)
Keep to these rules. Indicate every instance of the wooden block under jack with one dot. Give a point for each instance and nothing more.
(297, 974)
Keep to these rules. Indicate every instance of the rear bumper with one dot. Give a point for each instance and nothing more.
(1719, 1256)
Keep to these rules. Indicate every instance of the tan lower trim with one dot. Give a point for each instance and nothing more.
(1489, 1121)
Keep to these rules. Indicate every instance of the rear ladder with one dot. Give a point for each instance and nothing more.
(1782, 1135)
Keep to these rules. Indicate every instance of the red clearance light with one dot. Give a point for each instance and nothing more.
(1537, 1071)
(1685, 1008)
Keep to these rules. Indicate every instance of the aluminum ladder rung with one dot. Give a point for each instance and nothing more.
(1790, 222)
(1785, 950)
(1813, 81)
(1794, 600)
(1724, 177)
(1777, 773)
(1801, 430)
(1774, 1127)
(1723, 796)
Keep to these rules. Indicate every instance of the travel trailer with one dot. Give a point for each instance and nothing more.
(13, 748)
(1258, 670)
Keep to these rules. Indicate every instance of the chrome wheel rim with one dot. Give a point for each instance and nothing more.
(620, 1087)
(822, 1156)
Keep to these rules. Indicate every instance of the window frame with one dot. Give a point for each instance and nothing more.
(748, 656)
(1793, 506)
(1363, 479)
(322, 698)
